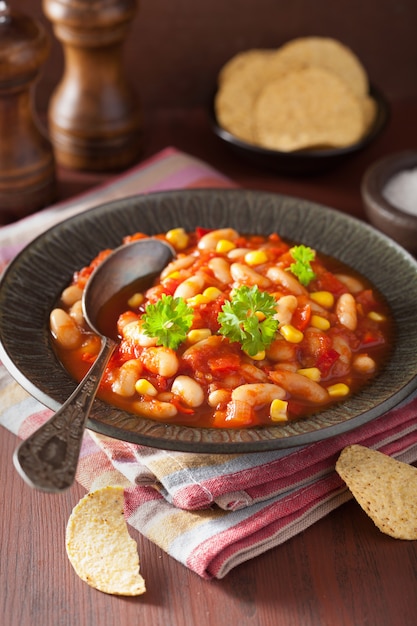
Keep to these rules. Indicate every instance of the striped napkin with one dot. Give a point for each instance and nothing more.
(210, 512)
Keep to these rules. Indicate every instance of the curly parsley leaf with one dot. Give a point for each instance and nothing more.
(303, 256)
(168, 320)
(249, 319)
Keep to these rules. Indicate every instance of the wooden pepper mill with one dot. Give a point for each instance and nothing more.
(94, 116)
(27, 168)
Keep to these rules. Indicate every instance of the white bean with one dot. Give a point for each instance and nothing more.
(256, 394)
(211, 239)
(76, 312)
(178, 264)
(287, 280)
(190, 287)
(342, 365)
(65, 330)
(134, 333)
(364, 364)
(300, 386)
(351, 282)
(156, 409)
(237, 253)
(221, 269)
(214, 341)
(126, 377)
(346, 311)
(286, 306)
(160, 360)
(253, 373)
(188, 390)
(71, 294)
(245, 275)
(281, 350)
(218, 396)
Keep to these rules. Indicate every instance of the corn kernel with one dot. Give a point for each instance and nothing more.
(376, 317)
(291, 334)
(198, 334)
(313, 373)
(178, 238)
(212, 293)
(259, 356)
(317, 321)
(145, 388)
(339, 390)
(136, 300)
(278, 411)
(224, 245)
(324, 298)
(173, 275)
(255, 257)
(197, 300)
(261, 316)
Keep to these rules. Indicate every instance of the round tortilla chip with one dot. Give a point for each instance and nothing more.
(385, 488)
(329, 54)
(248, 61)
(307, 108)
(99, 546)
(240, 82)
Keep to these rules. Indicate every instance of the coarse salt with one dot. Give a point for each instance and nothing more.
(401, 191)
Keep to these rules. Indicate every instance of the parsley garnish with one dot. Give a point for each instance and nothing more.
(249, 319)
(168, 320)
(303, 255)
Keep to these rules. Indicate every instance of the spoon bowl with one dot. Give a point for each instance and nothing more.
(48, 459)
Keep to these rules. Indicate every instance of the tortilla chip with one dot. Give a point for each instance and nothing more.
(385, 488)
(308, 108)
(248, 62)
(331, 55)
(240, 82)
(99, 546)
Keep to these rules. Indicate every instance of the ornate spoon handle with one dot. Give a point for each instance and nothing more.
(47, 459)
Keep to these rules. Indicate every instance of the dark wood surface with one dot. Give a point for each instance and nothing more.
(340, 572)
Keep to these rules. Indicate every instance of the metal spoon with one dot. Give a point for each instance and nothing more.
(47, 459)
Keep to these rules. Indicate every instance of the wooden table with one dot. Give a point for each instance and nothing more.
(340, 572)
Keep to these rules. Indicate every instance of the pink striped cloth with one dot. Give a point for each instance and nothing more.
(210, 512)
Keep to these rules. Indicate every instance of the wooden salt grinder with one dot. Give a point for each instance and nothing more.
(94, 116)
(27, 168)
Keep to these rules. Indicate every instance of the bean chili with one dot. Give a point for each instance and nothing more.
(327, 338)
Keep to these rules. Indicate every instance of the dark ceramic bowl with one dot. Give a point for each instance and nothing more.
(34, 280)
(390, 219)
(303, 162)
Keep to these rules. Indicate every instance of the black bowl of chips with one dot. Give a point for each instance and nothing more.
(300, 109)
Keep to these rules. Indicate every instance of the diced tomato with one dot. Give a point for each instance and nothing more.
(209, 313)
(200, 231)
(326, 360)
(367, 300)
(168, 287)
(372, 338)
(326, 281)
(181, 408)
(301, 317)
(135, 237)
(224, 363)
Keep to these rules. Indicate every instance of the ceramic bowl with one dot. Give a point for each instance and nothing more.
(34, 280)
(390, 218)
